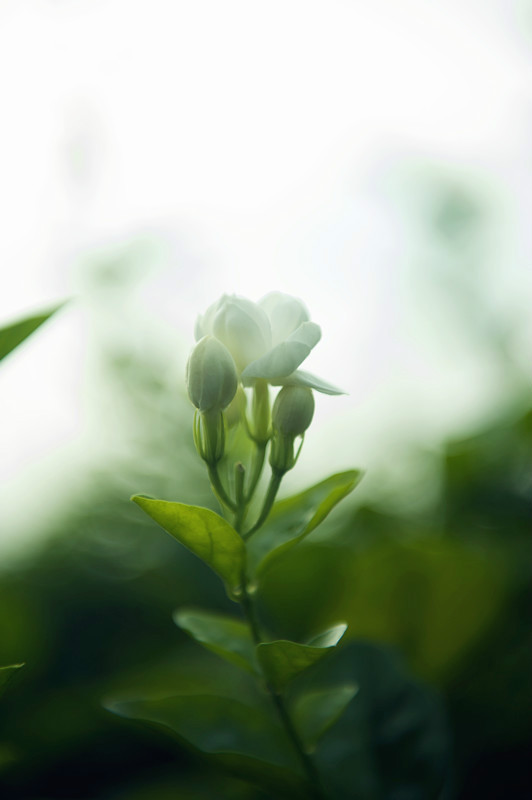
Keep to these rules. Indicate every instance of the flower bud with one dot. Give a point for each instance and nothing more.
(211, 375)
(293, 410)
(291, 416)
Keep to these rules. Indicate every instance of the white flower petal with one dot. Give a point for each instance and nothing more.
(286, 314)
(301, 378)
(244, 329)
(198, 328)
(286, 357)
(280, 361)
(308, 333)
(204, 322)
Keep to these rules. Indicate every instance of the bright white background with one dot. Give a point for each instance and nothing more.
(255, 146)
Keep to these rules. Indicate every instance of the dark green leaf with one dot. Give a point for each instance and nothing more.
(242, 739)
(277, 781)
(6, 673)
(315, 712)
(283, 660)
(228, 637)
(203, 532)
(292, 519)
(12, 335)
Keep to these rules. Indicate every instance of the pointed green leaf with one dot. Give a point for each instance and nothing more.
(6, 673)
(292, 520)
(278, 782)
(203, 532)
(317, 711)
(12, 335)
(234, 737)
(228, 637)
(283, 660)
(215, 724)
(329, 637)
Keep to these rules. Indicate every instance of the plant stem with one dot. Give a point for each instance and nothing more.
(273, 488)
(218, 488)
(306, 761)
(248, 608)
(241, 506)
(258, 463)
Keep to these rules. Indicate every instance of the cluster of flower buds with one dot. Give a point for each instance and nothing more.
(245, 344)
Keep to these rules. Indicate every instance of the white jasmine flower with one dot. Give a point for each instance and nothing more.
(268, 340)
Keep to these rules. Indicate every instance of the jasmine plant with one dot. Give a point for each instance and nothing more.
(244, 349)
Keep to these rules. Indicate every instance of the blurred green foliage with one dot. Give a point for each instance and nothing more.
(434, 672)
(91, 614)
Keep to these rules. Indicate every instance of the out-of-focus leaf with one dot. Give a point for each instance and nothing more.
(204, 532)
(283, 660)
(292, 519)
(201, 785)
(392, 741)
(275, 780)
(228, 637)
(315, 712)
(434, 599)
(13, 335)
(6, 673)
(242, 739)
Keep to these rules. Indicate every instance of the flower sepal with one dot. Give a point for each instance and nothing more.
(209, 436)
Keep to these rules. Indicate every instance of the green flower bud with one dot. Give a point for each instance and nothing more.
(211, 375)
(291, 416)
(293, 410)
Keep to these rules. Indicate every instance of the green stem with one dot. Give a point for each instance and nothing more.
(258, 464)
(241, 506)
(249, 612)
(306, 761)
(273, 488)
(218, 489)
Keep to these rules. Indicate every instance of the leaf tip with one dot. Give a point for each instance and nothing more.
(179, 616)
(140, 499)
(341, 628)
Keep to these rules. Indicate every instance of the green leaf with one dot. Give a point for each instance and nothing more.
(228, 637)
(12, 335)
(292, 519)
(282, 660)
(315, 712)
(242, 739)
(6, 673)
(203, 532)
